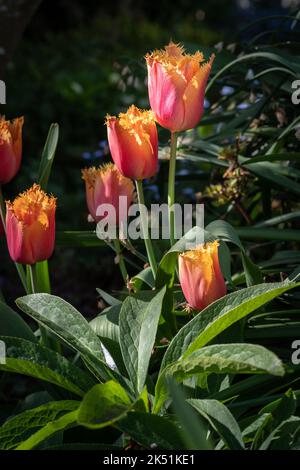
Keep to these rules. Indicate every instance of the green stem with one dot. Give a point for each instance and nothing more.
(171, 187)
(144, 222)
(33, 285)
(120, 260)
(19, 267)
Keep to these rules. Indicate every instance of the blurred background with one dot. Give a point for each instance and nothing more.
(72, 62)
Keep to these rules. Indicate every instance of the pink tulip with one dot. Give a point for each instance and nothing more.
(200, 275)
(133, 142)
(10, 148)
(176, 86)
(30, 226)
(105, 185)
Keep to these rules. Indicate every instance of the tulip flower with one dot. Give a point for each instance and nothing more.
(30, 226)
(10, 148)
(176, 85)
(105, 185)
(200, 275)
(133, 142)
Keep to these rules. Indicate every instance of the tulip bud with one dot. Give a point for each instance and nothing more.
(200, 275)
(10, 148)
(133, 143)
(176, 86)
(30, 226)
(105, 185)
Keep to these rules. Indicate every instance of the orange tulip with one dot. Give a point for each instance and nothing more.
(176, 85)
(200, 275)
(10, 148)
(105, 185)
(133, 143)
(30, 226)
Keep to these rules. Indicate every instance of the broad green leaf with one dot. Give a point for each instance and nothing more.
(221, 359)
(48, 155)
(193, 427)
(109, 299)
(221, 420)
(34, 360)
(12, 324)
(138, 326)
(220, 315)
(152, 431)
(66, 421)
(18, 428)
(68, 324)
(106, 325)
(143, 277)
(103, 405)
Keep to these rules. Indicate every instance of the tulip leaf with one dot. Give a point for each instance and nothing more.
(138, 326)
(219, 359)
(103, 405)
(34, 360)
(221, 420)
(48, 155)
(68, 324)
(18, 428)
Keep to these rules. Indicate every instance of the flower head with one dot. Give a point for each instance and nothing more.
(30, 226)
(200, 275)
(133, 142)
(176, 85)
(10, 148)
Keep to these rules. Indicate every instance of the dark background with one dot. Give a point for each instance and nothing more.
(73, 63)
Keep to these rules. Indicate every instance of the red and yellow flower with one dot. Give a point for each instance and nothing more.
(10, 148)
(30, 226)
(176, 86)
(200, 275)
(133, 143)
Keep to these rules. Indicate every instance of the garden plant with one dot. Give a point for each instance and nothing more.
(200, 349)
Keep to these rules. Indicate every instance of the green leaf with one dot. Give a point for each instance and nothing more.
(109, 299)
(138, 326)
(68, 324)
(18, 428)
(221, 359)
(34, 360)
(224, 231)
(143, 278)
(193, 427)
(48, 155)
(106, 325)
(42, 277)
(218, 316)
(221, 420)
(66, 421)
(152, 431)
(103, 405)
(12, 324)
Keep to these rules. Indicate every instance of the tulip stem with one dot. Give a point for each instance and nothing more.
(120, 261)
(19, 267)
(33, 288)
(145, 229)
(171, 187)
